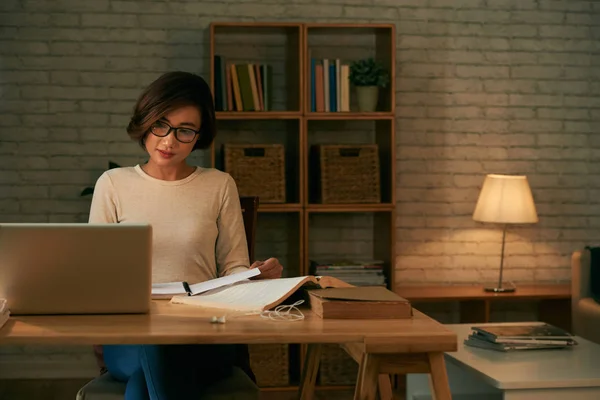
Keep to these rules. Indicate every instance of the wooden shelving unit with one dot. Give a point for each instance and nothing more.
(288, 48)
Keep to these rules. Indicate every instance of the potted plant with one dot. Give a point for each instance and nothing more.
(368, 75)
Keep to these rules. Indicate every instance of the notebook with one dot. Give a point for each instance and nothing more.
(170, 289)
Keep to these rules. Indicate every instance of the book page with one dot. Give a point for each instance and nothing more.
(249, 296)
(223, 281)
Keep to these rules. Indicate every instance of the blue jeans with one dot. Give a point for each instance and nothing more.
(166, 372)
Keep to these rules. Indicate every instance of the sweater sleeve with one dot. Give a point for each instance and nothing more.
(104, 201)
(231, 247)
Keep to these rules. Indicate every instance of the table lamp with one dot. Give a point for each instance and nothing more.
(505, 199)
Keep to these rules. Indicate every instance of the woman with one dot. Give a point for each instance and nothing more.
(198, 231)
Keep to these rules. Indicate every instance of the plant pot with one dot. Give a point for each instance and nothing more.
(367, 97)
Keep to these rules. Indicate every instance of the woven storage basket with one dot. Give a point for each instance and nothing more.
(270, 364)
(347, 173)
(337, 367)
(258, 170)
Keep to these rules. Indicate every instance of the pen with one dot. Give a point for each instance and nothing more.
(187, 288)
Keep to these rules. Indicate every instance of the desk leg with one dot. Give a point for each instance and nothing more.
(309, 373)
(368, 373)
(439, 377)
(385, 387)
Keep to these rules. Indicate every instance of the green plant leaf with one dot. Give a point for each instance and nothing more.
(368, 72)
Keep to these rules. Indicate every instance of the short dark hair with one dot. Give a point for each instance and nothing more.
(170, 91)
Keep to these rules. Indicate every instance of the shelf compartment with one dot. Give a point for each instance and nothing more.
(347, 43)
(278, 46)
(285, 132)
(334, 237)
(352, 132)
(279, 235)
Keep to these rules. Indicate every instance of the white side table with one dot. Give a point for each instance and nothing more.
(571, 374)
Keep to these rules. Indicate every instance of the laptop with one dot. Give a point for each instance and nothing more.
(75, 268)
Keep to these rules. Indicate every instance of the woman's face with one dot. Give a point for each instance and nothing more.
(167, 150)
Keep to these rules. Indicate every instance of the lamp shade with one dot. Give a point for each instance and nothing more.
(505, 199)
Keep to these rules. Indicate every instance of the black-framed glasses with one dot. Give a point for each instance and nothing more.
(184, 135)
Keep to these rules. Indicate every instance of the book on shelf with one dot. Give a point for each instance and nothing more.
(257, 295)
(242, 86)
(359, 302)
(329, 85)
(169, 289)
(522, 336)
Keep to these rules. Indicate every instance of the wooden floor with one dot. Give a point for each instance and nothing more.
(65, 389)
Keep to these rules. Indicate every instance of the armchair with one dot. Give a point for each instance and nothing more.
(585, 311)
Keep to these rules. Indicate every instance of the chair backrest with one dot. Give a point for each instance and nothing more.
(250, 215)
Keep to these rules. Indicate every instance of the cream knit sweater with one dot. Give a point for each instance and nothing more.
(198, 230)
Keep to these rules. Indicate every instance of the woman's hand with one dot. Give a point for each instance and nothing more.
(269, 269)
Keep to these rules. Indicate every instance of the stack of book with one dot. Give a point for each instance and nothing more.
(526, 336)
(355, 273)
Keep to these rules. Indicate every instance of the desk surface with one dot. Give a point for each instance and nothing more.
(573, 367)
(476, 292)
(177, 324)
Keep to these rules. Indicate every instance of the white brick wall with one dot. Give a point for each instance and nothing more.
(502, 86)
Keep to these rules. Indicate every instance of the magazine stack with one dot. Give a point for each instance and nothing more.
(523, 336)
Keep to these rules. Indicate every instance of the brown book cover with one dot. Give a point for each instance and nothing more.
(235, 82)
(243, 73)
(229, 85)
(319, 91)
(359, 302)
(254, 87)
(259, 86)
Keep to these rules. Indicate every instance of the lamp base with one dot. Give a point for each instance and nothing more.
(503, 289)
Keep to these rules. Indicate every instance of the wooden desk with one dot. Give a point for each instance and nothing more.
(380, 346)
(554, 300)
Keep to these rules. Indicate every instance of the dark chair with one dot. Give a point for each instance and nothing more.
(250, 214)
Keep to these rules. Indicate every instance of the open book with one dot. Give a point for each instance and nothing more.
(256, 296)
(170, 289)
